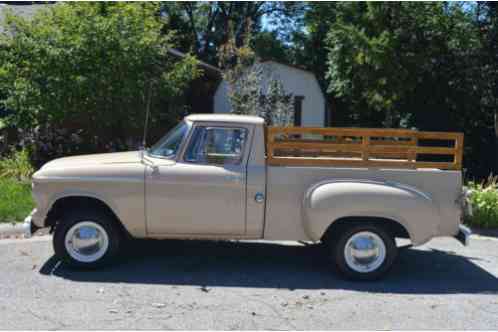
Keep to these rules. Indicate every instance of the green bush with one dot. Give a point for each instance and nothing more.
(16, 201)
(484, 198)
(90, 68)
(17, 166)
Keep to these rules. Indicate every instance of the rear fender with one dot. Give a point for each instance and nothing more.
(326, 202)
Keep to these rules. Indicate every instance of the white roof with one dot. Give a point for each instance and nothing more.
(249, 119)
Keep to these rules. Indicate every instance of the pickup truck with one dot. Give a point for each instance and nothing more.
(231, 177)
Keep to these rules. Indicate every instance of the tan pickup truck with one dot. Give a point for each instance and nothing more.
(231, 177)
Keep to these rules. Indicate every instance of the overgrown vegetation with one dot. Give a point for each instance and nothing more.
(16, 201)
(17, 166)
(89, 68)
(484, 198)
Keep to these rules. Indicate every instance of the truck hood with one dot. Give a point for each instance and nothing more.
(95, 159)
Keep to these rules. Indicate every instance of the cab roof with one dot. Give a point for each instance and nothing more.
(233, 118)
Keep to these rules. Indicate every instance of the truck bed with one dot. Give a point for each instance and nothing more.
(287, 187)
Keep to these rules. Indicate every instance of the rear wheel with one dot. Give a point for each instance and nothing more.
(363, 252)
(86, 239)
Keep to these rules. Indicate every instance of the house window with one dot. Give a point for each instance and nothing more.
(298, 110)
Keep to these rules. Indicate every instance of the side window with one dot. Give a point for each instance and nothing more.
(216, 145)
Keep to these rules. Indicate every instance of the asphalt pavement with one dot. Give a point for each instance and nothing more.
(247, 285)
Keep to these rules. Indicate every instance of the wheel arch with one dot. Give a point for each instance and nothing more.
(404, 210)
(63, 204)
(393, 227)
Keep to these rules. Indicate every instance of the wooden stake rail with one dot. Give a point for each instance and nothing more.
(358, 147)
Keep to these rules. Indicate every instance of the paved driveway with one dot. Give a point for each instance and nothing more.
(227, 285)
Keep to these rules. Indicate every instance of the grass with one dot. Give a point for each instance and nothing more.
(484, 199)
(16, 201)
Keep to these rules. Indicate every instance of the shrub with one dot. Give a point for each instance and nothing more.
(46, 143)
(91, 68)
(16, 201)
(484, 198)
(17, 166)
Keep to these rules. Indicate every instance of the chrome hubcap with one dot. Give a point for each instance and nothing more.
(86, 241)
(365, 252)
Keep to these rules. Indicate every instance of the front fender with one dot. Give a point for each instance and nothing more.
(43, 209)
(327, 202)
(119, 186)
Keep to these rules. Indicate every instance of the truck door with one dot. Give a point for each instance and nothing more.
(204, 192)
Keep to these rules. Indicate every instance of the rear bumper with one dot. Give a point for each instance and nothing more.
(463, 235)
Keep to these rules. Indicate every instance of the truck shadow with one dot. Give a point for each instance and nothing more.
(269, 265)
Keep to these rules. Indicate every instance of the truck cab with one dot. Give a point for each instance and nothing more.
(207, 179)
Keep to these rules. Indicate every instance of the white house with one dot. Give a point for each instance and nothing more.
(309, 101)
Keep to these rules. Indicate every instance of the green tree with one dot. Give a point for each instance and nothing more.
(486, 16)
(91, 66)
(203, 27)
(413, 65)
(268, 46)
(252, 86)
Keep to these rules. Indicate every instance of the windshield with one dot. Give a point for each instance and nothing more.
(168, 145)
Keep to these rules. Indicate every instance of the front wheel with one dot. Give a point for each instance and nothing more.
(86, 239)
(363, 252)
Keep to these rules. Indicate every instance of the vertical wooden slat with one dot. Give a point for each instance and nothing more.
(365, 145)
(412, 156)
(459, 151)
(270, 140)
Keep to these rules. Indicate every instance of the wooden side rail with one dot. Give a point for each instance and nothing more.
(358, 147)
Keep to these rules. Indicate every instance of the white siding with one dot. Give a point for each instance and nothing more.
(296, 81)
